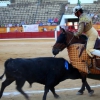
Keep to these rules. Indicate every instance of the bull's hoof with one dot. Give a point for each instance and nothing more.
(0, 95)
(79, 93)
(91, 92)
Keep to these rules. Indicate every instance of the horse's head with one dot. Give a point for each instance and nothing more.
(60, 42)
(65, 39)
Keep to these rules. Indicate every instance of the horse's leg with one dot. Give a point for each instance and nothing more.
(90, 91)
(83, 78)
(85, 84)
(80, 92)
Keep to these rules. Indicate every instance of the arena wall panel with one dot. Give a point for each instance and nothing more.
(11, 35)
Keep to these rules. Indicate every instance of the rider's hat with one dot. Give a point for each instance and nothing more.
(77, 8)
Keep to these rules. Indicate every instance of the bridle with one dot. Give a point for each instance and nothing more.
(64, 44)
(69, 41)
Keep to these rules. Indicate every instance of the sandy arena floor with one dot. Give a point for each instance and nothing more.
(31, 48)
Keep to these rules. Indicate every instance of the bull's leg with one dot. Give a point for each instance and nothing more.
(20, 84)
(4, 85)
(54, 93)
(49, 84)
(46, 90)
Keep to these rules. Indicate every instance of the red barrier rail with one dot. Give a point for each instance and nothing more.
(10, 35)
(49, 34)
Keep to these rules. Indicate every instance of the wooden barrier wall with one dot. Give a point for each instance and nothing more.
(10, 35)
(48, 34)
(14, 34)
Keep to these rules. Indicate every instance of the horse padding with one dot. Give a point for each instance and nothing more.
(80, 62)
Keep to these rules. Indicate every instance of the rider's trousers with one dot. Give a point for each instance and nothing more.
(92, 35)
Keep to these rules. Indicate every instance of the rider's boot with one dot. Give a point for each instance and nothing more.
(96, 53)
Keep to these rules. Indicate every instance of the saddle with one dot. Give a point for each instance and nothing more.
(95, 59)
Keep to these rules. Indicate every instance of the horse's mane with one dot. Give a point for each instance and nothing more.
(83, 37)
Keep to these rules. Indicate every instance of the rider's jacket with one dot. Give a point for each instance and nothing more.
(85, 26)
(86, 21)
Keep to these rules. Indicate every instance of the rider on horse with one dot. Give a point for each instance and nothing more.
(85, 26)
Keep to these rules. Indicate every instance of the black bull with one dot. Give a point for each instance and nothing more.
(45, 70)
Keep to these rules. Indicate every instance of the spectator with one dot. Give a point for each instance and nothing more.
(50, 20)
(18, 24)
(40, 24)
(23, 23)
(88, 13)
(66, 7)
(96, 16)
(16, 30)
(10, 25)
(15, 24)
(56, 20)
(44, 29)
(91, 15)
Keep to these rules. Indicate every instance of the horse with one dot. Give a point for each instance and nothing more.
(66, 39)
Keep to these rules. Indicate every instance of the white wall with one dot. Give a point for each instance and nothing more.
(66, 17)
(82, 1)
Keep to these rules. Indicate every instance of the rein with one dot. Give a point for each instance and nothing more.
(70, 41)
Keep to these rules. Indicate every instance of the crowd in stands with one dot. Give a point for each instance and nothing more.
(94, 17)
(13, 24)
(50, 21)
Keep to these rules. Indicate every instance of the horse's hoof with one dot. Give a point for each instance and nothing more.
(79, 93)
(91, 93)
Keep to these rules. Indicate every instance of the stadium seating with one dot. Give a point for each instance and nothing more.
(31, 11)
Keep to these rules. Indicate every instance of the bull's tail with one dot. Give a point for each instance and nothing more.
(5, 64)
(2, 75)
